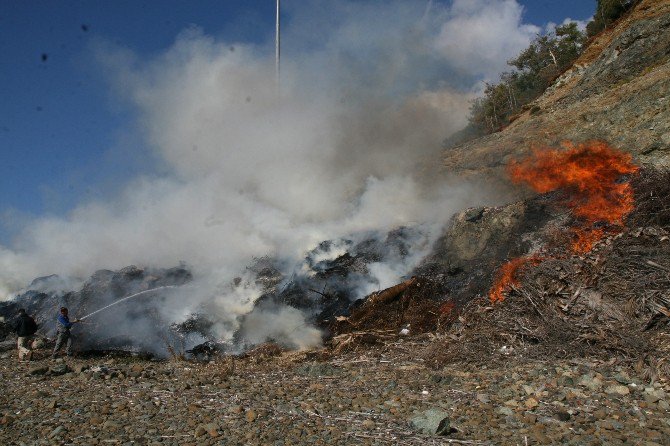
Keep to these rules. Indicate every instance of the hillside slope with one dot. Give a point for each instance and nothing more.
(617, 91)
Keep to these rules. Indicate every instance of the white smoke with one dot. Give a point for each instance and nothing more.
(480, 36)
(348, 143)
(285, 325)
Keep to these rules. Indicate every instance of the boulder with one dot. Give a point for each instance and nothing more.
(59, 369)
(432, 422)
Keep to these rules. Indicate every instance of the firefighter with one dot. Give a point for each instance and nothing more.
(25, 328)
(63, 335)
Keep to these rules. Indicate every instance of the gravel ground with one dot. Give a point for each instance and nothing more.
(373, 396)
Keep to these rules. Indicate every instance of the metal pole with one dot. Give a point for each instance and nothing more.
(277, 47)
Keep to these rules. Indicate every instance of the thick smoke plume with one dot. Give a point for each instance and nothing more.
(346, 144)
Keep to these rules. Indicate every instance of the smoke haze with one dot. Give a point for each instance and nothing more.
(346, 144)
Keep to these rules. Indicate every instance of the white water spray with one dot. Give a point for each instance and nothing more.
(126, 298)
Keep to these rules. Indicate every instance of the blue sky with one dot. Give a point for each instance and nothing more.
(64, 137)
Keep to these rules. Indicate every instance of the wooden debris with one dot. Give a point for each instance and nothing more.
(390, 293)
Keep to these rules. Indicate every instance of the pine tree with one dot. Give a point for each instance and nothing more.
(607, 12)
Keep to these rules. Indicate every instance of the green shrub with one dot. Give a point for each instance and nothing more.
(535, 69)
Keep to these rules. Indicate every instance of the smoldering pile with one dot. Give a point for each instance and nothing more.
(327, 284)
(125, 328)
(371, 288)
(306, 296)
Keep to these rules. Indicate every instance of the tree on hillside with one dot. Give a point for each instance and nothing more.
(547, 57)
(536, 68)
(607, 12)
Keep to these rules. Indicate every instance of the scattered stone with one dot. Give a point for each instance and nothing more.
(200, 431)
(531, 403)
(358, 402)
(6, 420)
(80, 368)
(505, 411)
(212, 429)
(617, 390)
(250, 416)
(654, 396)
(59, 369)
(111, 425)
(600, 414)
(38, 370)
(622, 378)
(563, 415)
(318, 369)
(57, 432)
(590, 382)
(566, 381)
(530, 418)
(432, 422)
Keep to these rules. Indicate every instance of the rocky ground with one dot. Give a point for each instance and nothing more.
(380, 395)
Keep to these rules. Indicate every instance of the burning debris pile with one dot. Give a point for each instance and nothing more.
(589, 273)
(460, 265)
(599, 287)
(587, 178)
(609, 302)
(590, 178)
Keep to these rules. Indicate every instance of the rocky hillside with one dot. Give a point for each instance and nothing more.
(617, 91)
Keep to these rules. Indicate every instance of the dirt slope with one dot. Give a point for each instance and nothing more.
(618, 91)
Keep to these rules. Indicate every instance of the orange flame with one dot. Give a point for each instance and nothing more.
(584, 239)
(506, 278)
(589, 174)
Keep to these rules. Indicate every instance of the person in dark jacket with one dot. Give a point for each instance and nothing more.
(63, 335)
(25, 328)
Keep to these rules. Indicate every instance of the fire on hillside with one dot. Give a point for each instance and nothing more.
(591, 178)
